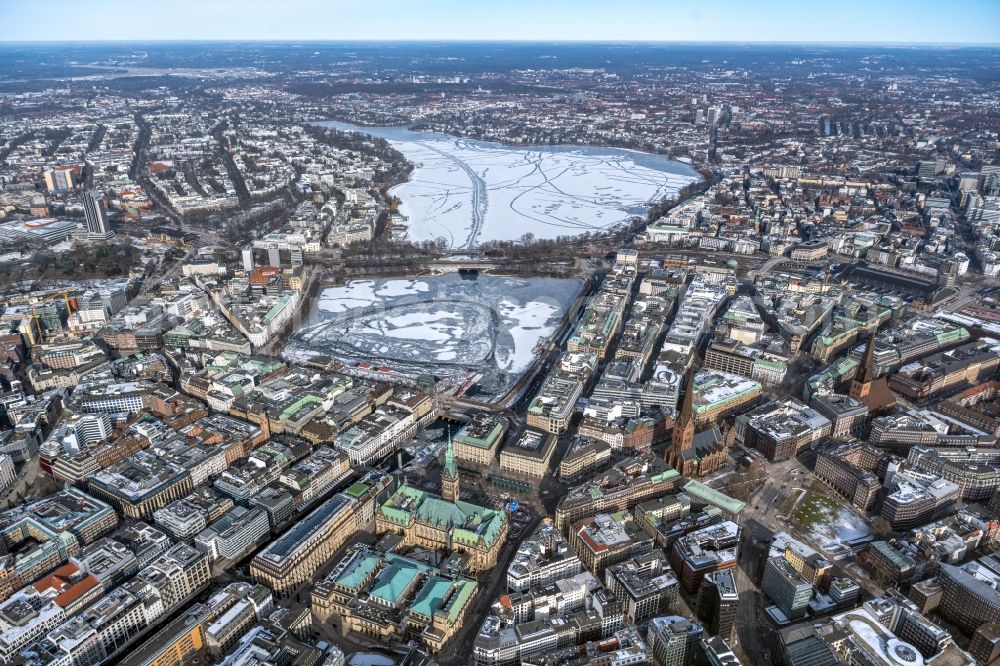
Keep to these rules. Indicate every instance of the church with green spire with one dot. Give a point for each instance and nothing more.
(450, 488)
(445, 523)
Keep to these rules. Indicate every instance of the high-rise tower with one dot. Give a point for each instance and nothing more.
(97, 219)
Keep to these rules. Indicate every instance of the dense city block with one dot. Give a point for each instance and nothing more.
(499, 354)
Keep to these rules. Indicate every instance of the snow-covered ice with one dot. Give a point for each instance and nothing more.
(357, 294)
(468, 192)
(402, 287)
(530, 323)
(443, 325)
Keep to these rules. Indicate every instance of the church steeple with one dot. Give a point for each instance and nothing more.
(450, 489)
(450, 468)
(682, 437)
(862, 383)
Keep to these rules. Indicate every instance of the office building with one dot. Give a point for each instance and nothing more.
(812, 566)
(916, 498)
(47, 533)
(60, 178)
(181, 519)
(552, 407)
(377, 435)
(628, 483)
(541, 559)
(985, 644)
(293, 558)
(478, 440)
(234, 535)
(786, 587)
(25, 617)
(847, 416)
(718, 393)
(662, 518)
(781, 429)
(644, 584)
(885, 631)
(703, 551)
(179, 642)
(850, 470)
(607, 539)
(702, 496)
(674, 640)
(583, 455)
(177, 574)
(529, 455)
(933, 375)
(889, 563)
(736, 358)
(141, 484)
(717, 601)
(971, 593)
(802, 645)
(246, 256)
(98, 227)
(718, 653)
(234, 610)
(975, 470)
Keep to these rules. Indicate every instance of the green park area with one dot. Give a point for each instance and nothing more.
(814, 509)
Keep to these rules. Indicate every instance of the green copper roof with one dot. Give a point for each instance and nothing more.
(357, 490)
(464, 589)
(299, 404)
(276, 308)
(670, 228)
(470, 523)
(393, 582)
(359, 570)
(953, 335)
(431, 596)
(483, 443)
(665, 475)
(897, 557)
(699, 490)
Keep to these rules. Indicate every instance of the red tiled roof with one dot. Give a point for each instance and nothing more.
(76, 591)
(58, 579)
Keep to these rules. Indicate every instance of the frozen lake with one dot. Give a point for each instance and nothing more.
(469, 192)
(441, 325)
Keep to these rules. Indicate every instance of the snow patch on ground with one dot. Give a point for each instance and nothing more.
(829, 524)
(370, 659)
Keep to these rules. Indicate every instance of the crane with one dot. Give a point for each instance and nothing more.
(35, 317)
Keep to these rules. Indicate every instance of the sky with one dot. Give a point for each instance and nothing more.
(906, 21)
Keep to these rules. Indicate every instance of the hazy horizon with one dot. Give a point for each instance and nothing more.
(649, 42)
(779, 21)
